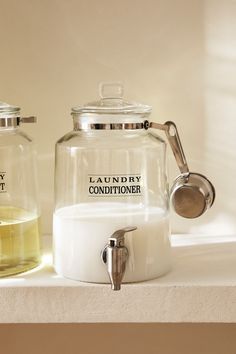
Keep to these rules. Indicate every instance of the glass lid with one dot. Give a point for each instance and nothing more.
(112, 102)
(10, 116)
(7, 110)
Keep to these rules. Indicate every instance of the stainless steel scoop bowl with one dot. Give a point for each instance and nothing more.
(192, 193)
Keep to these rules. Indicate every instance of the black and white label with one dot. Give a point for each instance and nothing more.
(114, 185)
(3, 188)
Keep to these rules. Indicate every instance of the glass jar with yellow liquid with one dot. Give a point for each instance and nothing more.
(19, 211)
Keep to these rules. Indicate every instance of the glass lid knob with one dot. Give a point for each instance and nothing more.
(108, 90)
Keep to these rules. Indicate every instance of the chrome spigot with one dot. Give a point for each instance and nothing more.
(115, 255)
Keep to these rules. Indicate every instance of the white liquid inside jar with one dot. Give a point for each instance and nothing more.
(80, 232)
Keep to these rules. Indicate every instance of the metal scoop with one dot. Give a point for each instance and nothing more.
(192, 193)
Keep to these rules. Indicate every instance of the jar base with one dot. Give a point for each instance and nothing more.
(130, 280)
(21, 267)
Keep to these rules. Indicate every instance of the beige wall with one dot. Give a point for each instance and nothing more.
(54, 53)
(176, 55)
(220, 108)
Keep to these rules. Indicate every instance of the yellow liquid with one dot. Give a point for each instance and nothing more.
(19, 241)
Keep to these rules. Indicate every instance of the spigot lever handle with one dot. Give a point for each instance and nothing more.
(118, 237)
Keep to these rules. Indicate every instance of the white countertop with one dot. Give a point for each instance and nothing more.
(200, 288)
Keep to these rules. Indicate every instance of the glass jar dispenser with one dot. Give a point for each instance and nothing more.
(111, 218)
(19, 212)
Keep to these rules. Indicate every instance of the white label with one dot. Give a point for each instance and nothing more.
(114, 185)
(3, 182)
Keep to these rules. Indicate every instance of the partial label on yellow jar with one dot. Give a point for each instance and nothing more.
(3, 187)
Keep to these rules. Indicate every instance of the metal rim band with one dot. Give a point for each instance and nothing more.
(111, 126)
(9, 122)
